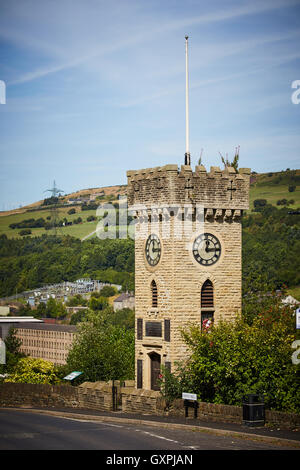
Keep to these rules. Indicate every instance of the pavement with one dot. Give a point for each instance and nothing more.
(269, 434)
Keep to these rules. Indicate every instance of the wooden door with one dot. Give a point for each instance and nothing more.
(155, 371)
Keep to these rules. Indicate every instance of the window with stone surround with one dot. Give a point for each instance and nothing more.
(154, 293)
(207, 295)
(207, 304)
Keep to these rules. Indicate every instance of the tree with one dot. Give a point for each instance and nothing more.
(108, 291)
(51, 308)
(259, 203)
(13, 354)
(76, 300)
(97, 304)
(78, 317)
(55, 309)
(123, 318)
(102, 351)
(41, 310)
(12, 343)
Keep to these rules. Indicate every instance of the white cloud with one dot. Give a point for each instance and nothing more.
(84, 35)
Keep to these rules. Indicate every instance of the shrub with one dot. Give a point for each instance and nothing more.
(26, 231)
(235, 358)
(259, 204)
(34, 371)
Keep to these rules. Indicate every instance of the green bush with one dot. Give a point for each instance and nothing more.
(234, 358)
(259, 203)
(34, 371)
(24, 232)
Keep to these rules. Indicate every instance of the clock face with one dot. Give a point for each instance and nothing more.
(153, 249)
(206, 249)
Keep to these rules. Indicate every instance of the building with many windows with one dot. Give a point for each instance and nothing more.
(47, 341)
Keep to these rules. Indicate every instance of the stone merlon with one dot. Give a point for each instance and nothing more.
(216, 189)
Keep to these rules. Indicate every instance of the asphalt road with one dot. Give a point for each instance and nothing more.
(21, 430)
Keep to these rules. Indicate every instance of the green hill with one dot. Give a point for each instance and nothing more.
(81, 230)
(272, 186)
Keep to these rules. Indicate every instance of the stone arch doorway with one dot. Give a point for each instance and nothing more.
(155, 361)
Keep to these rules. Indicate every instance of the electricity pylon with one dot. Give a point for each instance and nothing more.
(54, 209)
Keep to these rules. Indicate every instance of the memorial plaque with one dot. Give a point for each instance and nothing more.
(153, 328)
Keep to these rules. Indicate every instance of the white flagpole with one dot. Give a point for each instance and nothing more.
(187, 125)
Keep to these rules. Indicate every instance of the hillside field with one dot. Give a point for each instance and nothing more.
(272, 186)
(275, 186)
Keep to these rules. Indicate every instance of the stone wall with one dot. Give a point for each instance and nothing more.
(38, 395)
(98, 396)
(209, 411)
(142, 401)
(232, 414)
(89, 395)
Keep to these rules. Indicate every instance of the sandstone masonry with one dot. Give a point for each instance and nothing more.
(177, 206)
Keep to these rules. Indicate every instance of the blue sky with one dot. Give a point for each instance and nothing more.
(94, 88)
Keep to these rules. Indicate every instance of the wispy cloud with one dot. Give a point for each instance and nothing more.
(92, 47)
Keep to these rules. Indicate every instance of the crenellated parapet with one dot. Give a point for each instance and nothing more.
(217, 190)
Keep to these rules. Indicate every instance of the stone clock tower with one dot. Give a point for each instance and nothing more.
(187, 254)
(187, 257)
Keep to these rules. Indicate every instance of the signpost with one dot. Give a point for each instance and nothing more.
(189, 396)
(190, 400)
(72, 376)
(298, 318)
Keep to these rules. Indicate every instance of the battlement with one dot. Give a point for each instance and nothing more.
(167, 185)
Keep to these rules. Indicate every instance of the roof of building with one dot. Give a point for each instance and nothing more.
(123, 296)
(16, 319)
(48, 327)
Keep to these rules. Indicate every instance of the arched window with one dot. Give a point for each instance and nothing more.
(207, 304)
(154, 293)
(207, 295)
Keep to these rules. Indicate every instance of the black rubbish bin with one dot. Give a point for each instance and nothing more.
(253, 410)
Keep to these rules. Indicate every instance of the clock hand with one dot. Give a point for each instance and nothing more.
(154, 250)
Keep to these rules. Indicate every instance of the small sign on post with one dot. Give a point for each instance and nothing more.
(298, 318)
(72, 376)
(189, 396)
(190, 401)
